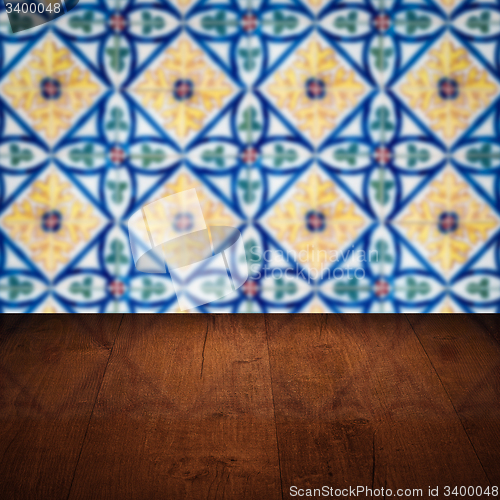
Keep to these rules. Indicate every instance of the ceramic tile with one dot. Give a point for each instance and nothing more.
(355, 145)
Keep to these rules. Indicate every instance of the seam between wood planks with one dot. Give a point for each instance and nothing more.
(93, 407)
(204, 344)
(477, 318)
(382, 407)
(274, 408)
(449, 398)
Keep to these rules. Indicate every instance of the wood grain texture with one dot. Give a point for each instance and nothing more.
(243, 407)
(51, 369)
(487, 322)
(185, 412)
(357, 402)
(465, 352)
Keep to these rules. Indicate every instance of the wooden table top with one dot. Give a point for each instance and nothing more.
(246, 406)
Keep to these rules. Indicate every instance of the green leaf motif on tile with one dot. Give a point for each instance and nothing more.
(117, 57)
(150, 23)
(117, 255)
(250, 123)
(117, 188)
(281, 155)
(149, 155)
(249, 188)
(484, 156)
(116, 122)
(252, 257)
(85, 155)
(383, 254)
(381, 56)
(382, 189)
(18, 155)
(349, 155)
(482, 288)
(249, 57)
(349, 287)
(281, 22)
(15, 287)
(217, 23)
(415, 155)
(83, 22)
(413, 288)
(281, 288)
(216, 287)
(149, 288)
(19, 22)
(349, 22)
(216, 156)
(382, 121)
(481, 22)
(84, 288)
(414, 22)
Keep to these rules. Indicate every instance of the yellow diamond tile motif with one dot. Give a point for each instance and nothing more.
(316, 220)
(51, 89)
(315, 89)
(51, 221)
(448, 221)
(449, 89)
(183, 89)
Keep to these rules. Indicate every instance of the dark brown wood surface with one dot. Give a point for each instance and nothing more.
(51, 370)
(185, 411)
(246, 406)
(467, 363)
(375, 411)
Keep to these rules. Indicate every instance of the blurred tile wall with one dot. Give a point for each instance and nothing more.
(355, 144)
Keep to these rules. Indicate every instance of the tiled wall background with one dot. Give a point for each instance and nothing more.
(354, 143)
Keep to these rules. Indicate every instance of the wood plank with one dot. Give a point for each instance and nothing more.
(467, 359)
(489, 322)
(358, 403)
(185, 412)
(51, 369)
